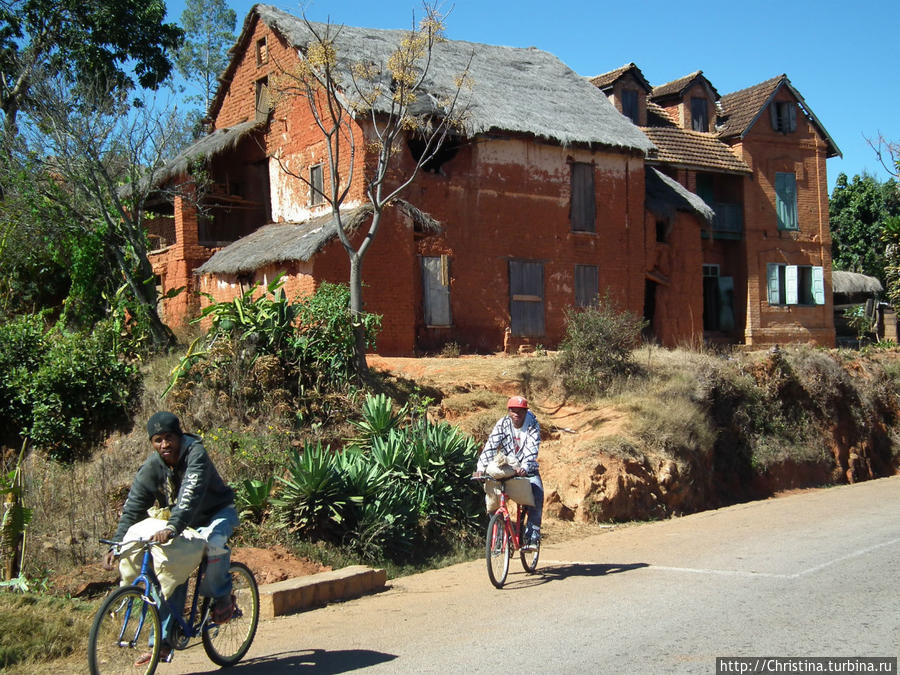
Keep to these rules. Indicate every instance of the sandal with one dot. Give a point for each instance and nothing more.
(165, 654)
(223, 611)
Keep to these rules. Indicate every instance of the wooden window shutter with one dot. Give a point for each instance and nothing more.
(791, 284)
(583, 208)
(772, 272)
(818, 285)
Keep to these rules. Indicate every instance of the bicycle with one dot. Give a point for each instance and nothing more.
(502, 538)
(127, 623)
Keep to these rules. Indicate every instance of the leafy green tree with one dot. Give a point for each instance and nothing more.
(91, 161)
(113, 40)
(209, 33)
(859, 211)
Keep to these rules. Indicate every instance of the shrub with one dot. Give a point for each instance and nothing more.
(66, 391)
(597, 347)
(265, 356)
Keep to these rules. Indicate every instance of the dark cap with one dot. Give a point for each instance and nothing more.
(162, 422)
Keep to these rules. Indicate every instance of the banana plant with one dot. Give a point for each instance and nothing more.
(15, 519)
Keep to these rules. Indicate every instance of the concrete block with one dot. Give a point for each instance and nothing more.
(293, 595)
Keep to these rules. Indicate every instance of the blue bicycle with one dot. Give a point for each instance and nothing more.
(127, 623)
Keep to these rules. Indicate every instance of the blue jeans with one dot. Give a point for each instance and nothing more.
(535, 513)
(216, 583)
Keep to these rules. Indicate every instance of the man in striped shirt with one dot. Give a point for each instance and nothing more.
(518, 436)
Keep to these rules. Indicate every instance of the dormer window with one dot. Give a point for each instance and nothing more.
(784, 116)
(630, 104)
(699, 114)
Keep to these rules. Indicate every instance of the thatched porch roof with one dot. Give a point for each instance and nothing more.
(853, 283)
(287, 242)
(664, 196)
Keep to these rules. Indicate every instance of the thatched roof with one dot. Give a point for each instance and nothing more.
(518, 90)
(288, 242)
(216, 142)
(665, 195)
(854, 282)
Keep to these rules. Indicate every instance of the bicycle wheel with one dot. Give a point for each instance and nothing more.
(497, 550)
(123, 630)
(227, 643)
(529, 557)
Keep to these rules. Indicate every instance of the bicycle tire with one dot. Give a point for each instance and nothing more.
(497, 550)
(227, 643)
(122, 631)
(529, 558)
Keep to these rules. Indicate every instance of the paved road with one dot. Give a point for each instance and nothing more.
(812, 574)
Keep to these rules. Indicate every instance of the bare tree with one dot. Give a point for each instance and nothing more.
(888, 153)
(98, 158)
(390, 98)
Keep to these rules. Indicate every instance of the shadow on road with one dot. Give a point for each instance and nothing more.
(314, 660)
(560, 571)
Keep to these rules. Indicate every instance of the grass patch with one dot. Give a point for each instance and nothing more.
(37, 629)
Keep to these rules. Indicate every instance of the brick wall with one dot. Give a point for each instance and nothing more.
(802, 153)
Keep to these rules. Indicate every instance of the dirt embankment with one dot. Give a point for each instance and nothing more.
(584, 484)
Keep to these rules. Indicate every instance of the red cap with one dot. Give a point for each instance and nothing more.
(517, 402)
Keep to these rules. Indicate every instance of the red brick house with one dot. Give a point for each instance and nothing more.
(547, 198)
(757, 157)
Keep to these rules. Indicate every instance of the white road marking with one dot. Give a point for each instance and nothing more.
(733, 573)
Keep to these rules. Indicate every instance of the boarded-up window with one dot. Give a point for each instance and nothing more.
(436, 290)
(316, 185)
(630, 104)
(583, 207)
(586, 285)
(263, 103)
(699, 114)
(526, 298)
(786, 201)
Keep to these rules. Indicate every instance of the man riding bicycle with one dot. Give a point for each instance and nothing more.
(518, 436)
(180, 475)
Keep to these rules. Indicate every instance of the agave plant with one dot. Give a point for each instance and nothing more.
(252, 497)
(312, 498)
(378, 420)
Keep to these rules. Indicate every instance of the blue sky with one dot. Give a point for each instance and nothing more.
(841, 56)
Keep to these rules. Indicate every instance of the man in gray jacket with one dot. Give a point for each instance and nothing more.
(179, 475)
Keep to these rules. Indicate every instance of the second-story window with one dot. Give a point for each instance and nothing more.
(316, 185)
(786, 201)
(630, 104)
(699, 114)
(583, 207)
(784, 116)
(263, 102)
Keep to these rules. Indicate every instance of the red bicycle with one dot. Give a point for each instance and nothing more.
(503, 536)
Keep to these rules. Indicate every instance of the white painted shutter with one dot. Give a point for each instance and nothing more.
(774, 289)
(818, 285)
(790, 284)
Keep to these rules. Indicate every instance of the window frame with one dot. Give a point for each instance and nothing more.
(795, 285)
(583, 198)
(630, 107)
(262, 51)
(587, 285)
(699, 103)
(316, 184)
(784, 116)
(786, 201)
